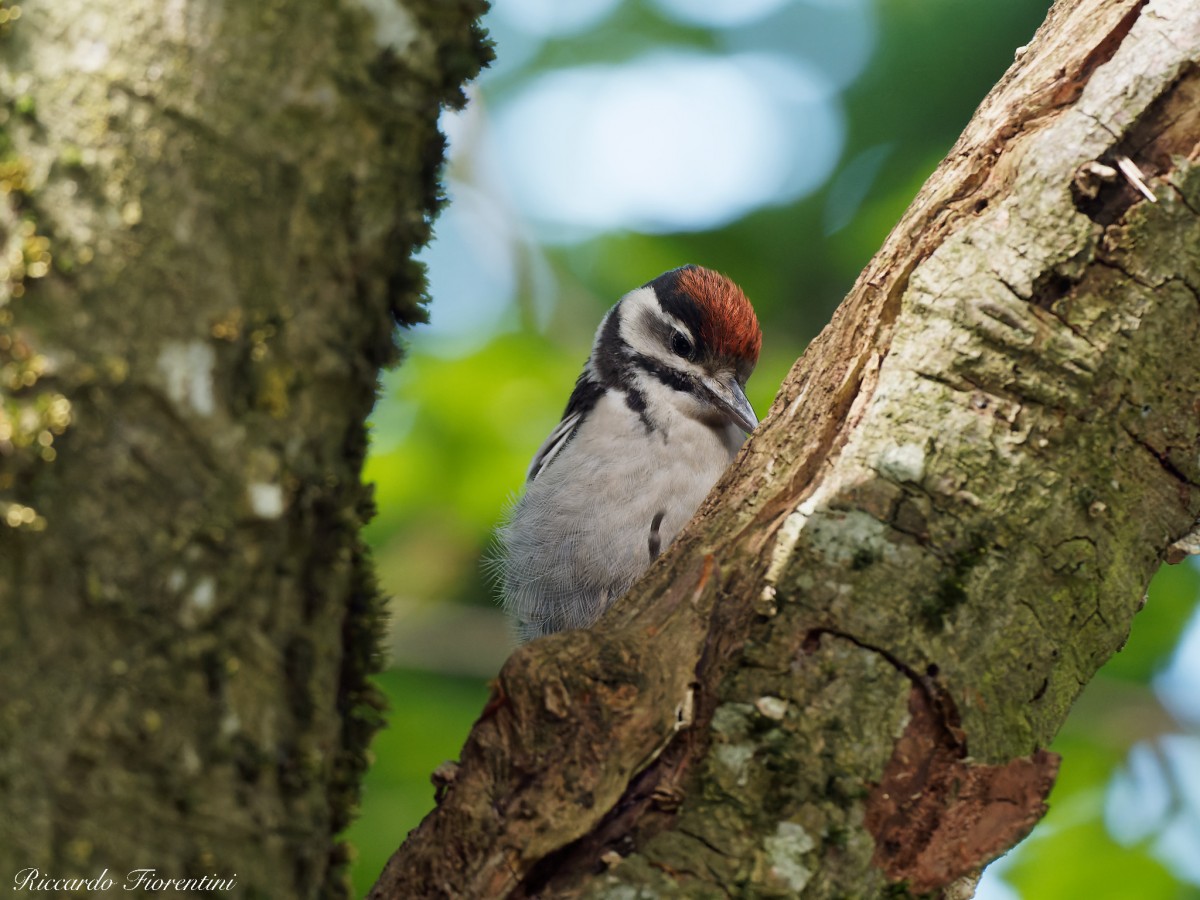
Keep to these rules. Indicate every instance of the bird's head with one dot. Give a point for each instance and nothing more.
(691, 330)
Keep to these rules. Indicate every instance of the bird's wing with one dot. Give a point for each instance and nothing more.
(584, 397)
(556, 441)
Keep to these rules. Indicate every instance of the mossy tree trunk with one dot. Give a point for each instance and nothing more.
(841, 679)
(207, 212)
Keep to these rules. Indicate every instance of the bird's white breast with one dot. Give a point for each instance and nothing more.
(582, 533)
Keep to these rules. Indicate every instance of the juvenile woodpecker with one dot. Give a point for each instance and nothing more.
(657, 415)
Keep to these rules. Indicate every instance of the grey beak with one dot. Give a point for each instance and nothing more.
(729, 397)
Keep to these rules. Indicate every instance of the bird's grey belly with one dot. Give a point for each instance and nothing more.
(558, 578)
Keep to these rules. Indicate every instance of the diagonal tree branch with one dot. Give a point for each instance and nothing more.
(842, 676)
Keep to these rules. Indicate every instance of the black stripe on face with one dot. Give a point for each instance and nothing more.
(655, 537)
(672, 378)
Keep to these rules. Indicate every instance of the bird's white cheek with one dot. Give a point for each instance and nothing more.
(691, 407)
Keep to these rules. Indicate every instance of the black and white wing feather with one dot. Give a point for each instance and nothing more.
(583, 399)
(559, 437)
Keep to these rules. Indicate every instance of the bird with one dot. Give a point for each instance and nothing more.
(657, 415)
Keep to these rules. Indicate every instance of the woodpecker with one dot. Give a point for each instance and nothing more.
(657, 415)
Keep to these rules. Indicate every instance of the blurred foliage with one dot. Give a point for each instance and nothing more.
(459, 420)
(430, 715)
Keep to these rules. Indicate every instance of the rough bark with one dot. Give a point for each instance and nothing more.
(841, 679)
(206, 217)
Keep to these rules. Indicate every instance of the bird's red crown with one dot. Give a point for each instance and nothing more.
(729, 325)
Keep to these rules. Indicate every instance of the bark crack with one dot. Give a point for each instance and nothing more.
(976, 385)
(1183, 198)
(1161, 456)
(926, 682)
(1033, 612)
(706, 842)
(1107, 48)
(1108, 262)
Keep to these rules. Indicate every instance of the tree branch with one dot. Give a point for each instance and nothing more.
(843, 674)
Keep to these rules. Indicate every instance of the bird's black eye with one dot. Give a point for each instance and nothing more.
(680, 345)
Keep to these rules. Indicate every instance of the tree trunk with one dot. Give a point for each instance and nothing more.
(206, 218)
(840, 680)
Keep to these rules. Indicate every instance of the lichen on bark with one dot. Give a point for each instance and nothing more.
(31, 417)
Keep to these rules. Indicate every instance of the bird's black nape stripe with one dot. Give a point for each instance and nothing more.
(612, 361)
(678, 303)
(655, 537)
(586, 395)
(610, 356)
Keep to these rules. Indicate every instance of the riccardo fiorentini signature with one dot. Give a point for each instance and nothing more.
(32, 879)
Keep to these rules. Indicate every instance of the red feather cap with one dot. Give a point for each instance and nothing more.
(729, 325)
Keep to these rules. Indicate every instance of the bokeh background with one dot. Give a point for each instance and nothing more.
(777, 141)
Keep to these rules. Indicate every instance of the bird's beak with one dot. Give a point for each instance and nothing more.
(729, 397)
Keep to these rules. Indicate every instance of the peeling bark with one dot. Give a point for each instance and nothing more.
(925, 841)
(206, 218)
(941, 531)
